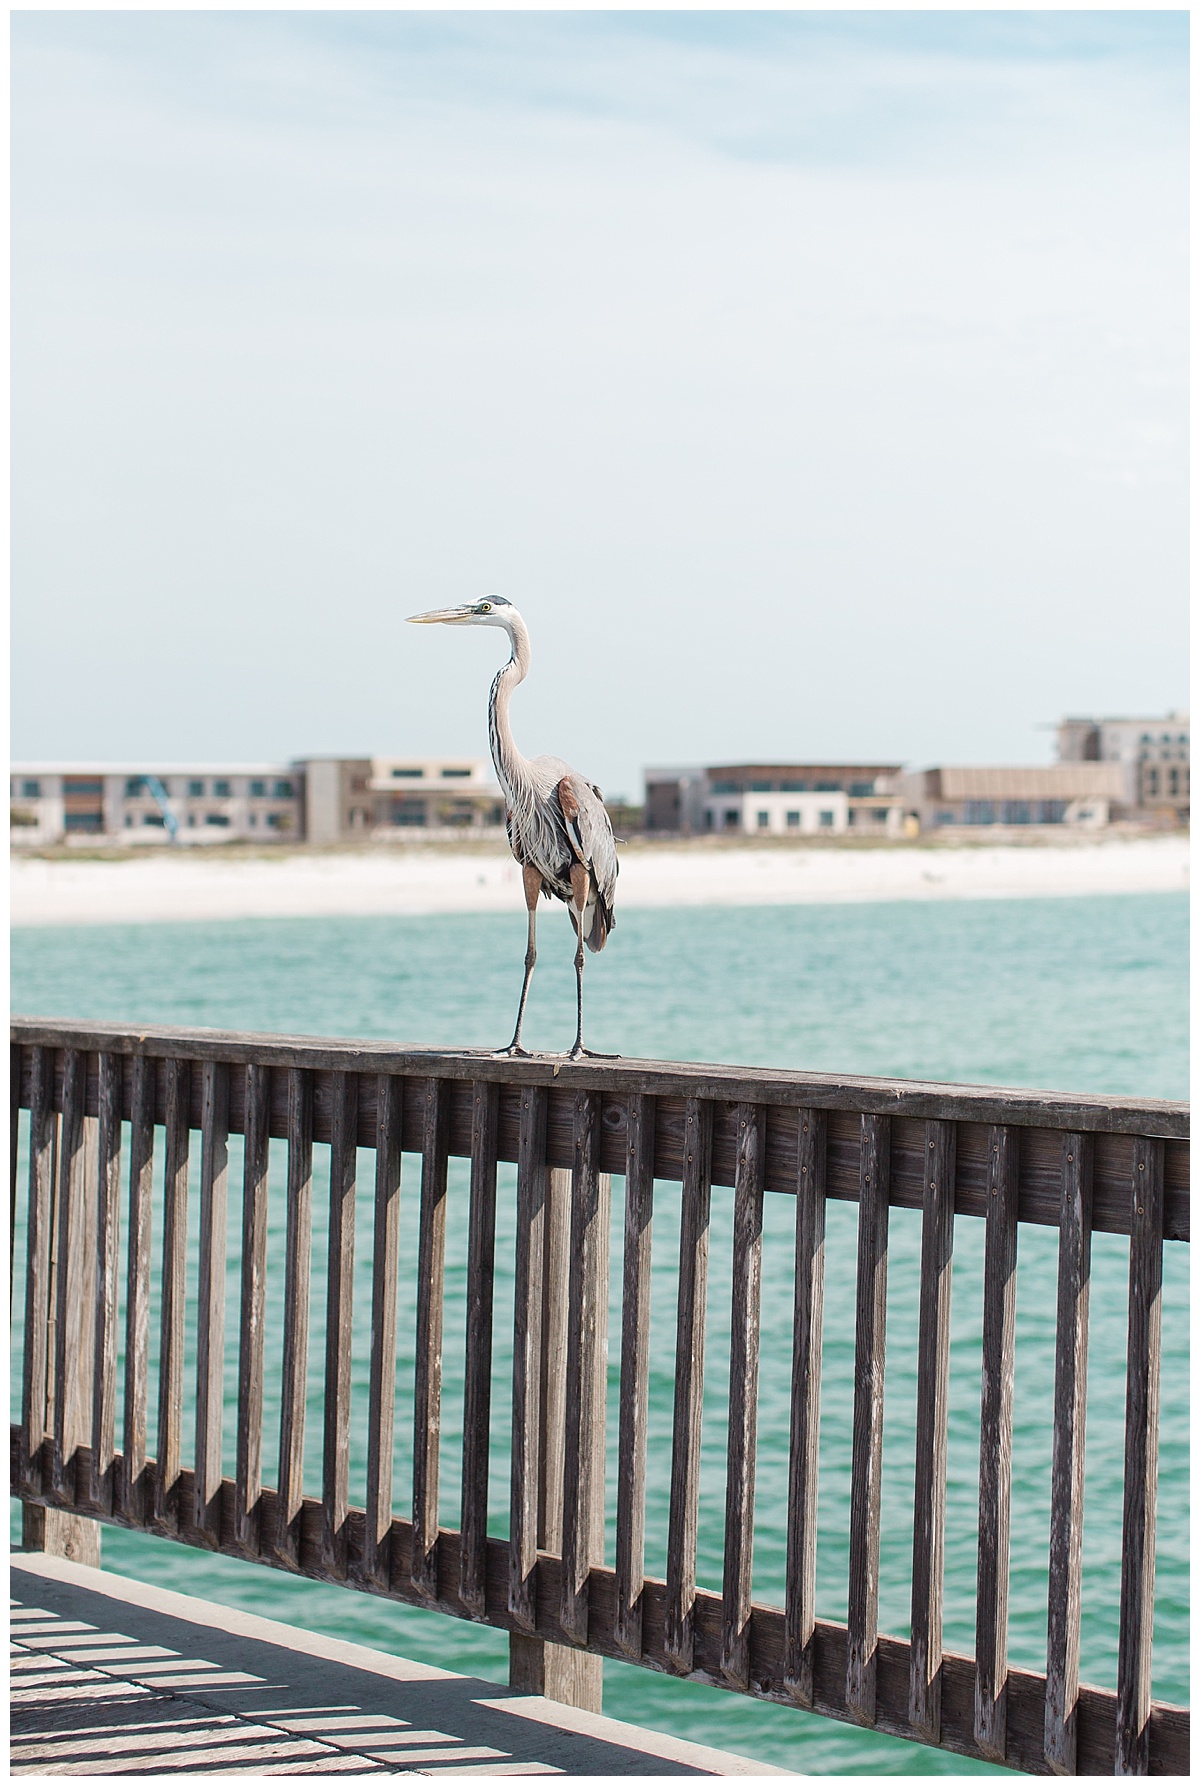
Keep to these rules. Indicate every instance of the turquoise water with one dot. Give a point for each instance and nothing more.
(1075, 994)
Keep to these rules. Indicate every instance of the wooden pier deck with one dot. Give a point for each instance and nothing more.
(111, 1676)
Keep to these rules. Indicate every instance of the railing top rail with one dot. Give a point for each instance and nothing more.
(930, 1100)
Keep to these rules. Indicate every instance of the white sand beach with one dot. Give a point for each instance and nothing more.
(425, 879)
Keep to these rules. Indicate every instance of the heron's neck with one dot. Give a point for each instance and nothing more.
(512, 769)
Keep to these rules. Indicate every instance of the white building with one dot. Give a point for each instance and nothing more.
(142, 803)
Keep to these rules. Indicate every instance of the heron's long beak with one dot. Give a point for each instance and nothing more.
(447, 616)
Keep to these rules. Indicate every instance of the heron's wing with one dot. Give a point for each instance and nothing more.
(590, 835)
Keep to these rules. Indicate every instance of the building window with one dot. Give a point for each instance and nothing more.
(760, 787)
(763, 820)
(825, 818)
(732, 818)
(979, 812)
(1015, 812)
(829, 787)
(221, 788)
(195, 788)
(880, 814)
(217, 818)
(128, 818)
(1152, 781)
(793, 787)
(861, 787)
(725, 787)
(408, 774)
(78, 784)
(284, 790)
(258, 789)
(31, 789)
(793, 821)
(133, 787)
(1173, 781)
(456, 775)
(83, 821)
(708, 818)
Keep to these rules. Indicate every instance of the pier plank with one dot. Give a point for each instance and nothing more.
(177, 1076)
(427, 1388)
(933, 1375)
(339, 1301)
(635, 1375)
(679, 1636)
(252, 1340)
(529, 1266)
(477, 1385)
(108, 1241)
(297, 1279)
(1141, 1460)
(131, 1498)
(210, 1316)
(385, 1269)
(1066, 1482)
(867, 1446)
(808, 1320)
(743, 1394)
(995, 1445)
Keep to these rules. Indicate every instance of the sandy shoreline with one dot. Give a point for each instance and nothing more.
(163, 888)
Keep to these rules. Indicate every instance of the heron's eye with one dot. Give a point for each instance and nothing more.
(484, 608)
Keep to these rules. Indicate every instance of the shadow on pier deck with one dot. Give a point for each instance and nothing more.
(111, 1676)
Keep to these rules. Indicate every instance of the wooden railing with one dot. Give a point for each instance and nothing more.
(96, 1093)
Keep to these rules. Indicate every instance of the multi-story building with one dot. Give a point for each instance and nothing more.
(139, 803)
(776, 799)
(1054, 794)
(319, 799)
(1155, 756)
(383, 796)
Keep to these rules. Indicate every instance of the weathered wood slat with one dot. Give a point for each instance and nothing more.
(427, 1387)
(177, 1074)
(527, 1359)
(995, 1446)
(552, 1374)
(252, 1333)
(295, 1316)
(210, 1323)
(131, 1500)
(108, 1240)
(743, 1396)
(635, 1376)
(679, 1634)
(587, 1334)
(385, 1269)
(1141, 1460)
(1066, 1478)
(477, 1386)
(339, 1294)
(933, 1377)
(867, 1441)
(1169, 1725)
(801, 1589)
(39, 1252)
(76, 1280)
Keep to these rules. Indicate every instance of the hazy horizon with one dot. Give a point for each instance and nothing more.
(815, 383)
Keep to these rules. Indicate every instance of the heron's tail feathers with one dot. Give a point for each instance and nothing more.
(603, 920)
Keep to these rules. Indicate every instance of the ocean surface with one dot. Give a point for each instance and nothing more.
(1079, 994)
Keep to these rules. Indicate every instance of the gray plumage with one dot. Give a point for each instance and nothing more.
(558, 828)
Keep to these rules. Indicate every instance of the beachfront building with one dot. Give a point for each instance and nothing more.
(135, 803)
(1080, 793)
(355, 798)
(776, 799)
(1154, 754)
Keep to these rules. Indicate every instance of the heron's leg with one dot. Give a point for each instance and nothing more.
(533, 887)
(580, 887)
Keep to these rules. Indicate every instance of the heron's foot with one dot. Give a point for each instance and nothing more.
(514, 1051)
(579, 1052)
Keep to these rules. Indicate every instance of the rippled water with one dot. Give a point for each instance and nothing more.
(1076, 994)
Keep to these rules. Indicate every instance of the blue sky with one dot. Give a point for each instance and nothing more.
(815, 383)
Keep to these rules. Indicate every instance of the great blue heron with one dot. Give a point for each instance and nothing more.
(557, 826)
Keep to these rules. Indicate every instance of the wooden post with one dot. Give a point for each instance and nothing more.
(575, 1269)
